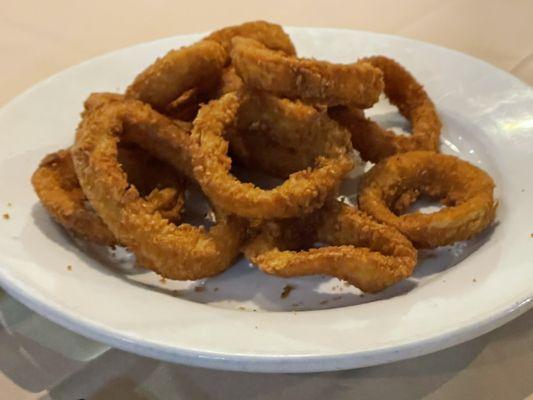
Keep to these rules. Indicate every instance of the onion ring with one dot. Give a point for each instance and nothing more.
(398, 181)
(57, 186)
(280, 136)
(375, 143)
(359, 250)
(270, 35)
(163, 138)
(358, 84)
(301, 193)
(176, 252)
(198, 65)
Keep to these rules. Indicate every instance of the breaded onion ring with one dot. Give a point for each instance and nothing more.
(396, 182)
(358, 84)
(375, 143)
(164, 141)
(280, 136)
(229, 82)
(176, 252)
(198, 65)
(359, 250)
(57, 186)
(301, 193)
(270, 35)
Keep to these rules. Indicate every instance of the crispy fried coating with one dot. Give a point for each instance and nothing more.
(270, 35)
(176, 252)
(357, 249)
(57, 186)
(358, 84)
(280, 136)
(374, 142)
(301, 193)
(198, 65)
(163, 138)
(396, 182)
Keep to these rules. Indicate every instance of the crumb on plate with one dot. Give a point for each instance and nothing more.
(287, 289)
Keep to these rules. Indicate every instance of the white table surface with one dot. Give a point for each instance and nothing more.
(40, 360)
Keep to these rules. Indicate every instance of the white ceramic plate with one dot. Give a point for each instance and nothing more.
(238, 320)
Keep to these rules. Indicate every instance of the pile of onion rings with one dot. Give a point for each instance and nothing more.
(242, 98)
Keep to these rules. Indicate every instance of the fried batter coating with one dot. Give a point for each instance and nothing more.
(375, 143)
(357, 249)
(176, 252)
(270, 35)
(301, 193)
(164, 139)
(198, 65)
(396, 182)
(358, 84)
(57, 186)
(280, 136)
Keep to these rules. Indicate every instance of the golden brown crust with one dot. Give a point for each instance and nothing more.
(280, 136)
(176, 252)
(397, 181)
(270, 35)
(58, 188)
(369, 255)
(198, 65)
(358, 84)
(374, 142)
(301, 193)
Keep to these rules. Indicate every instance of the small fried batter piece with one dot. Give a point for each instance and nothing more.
(395, 183)
(358, 84)
(357, 249)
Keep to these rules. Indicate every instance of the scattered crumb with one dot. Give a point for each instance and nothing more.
(323, 302)
(523, 190)
(474, 280)
(6, 216)
(199, 289)
(287, 289)
(242, 308)
(162, 280)
(429, 256)
(69, 267)
(9, 204)
(215, 289)
(254, 310)
(255, 327)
